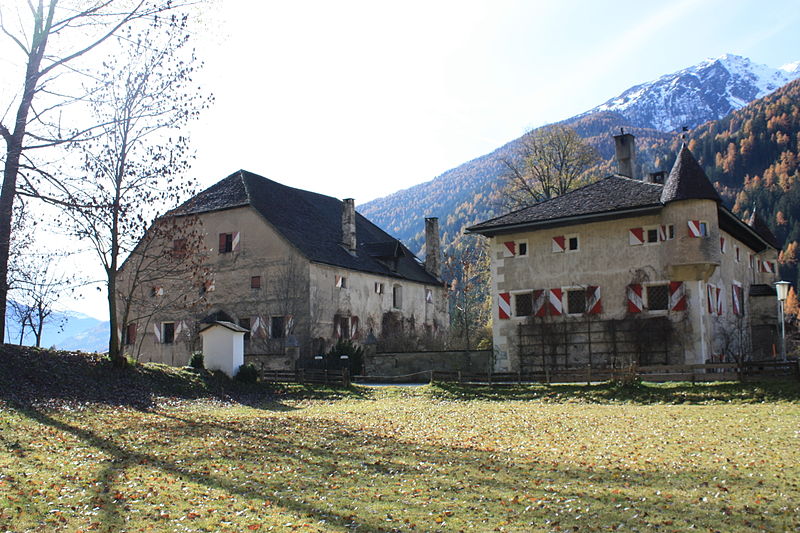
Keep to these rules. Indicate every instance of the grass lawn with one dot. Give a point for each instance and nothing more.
(424, 459)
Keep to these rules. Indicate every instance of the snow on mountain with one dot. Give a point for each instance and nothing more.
(706, 91)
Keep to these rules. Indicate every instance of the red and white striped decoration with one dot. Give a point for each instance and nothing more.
(539, 302)
(554, 300)
(694, 228)
(509, 249)
(720, 300)
(662, 233)
(504, 304)
(236, 241)
(353, 326)
(559, 244)
(635, 236)
(635, 302)
(594, 306)
(766, 266)
(736, 298)
(677, 296)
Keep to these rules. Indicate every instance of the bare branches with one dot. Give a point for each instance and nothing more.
(549, 162)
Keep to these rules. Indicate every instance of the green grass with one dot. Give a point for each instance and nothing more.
(434, 458)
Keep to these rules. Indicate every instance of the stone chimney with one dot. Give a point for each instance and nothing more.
(349, 224)
(432, 247)
(626, 153)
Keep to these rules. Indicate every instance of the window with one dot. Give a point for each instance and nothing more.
(658, 297)
(652, 235)
(225, 243)
(179, 247)
(523, 304)
(572, 243)
(704, 229)
(342, 325)
(397, 297)
(168, 332)
(378, 288)
(156, 291)
(341, 282)
(670, 231)
(523, 248)
(751, 261)
(576, 301)
(277, 325)
(129, 335)
(245, 323)
(255, 282)
(738, 257)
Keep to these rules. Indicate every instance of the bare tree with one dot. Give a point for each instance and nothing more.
(52, 38)
(466, 267)
(549, 162)
(286, 301)
(136, 163)
(37, 290)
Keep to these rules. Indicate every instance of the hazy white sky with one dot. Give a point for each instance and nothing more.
(363, 98)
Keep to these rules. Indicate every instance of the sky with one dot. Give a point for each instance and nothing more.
(359, 99)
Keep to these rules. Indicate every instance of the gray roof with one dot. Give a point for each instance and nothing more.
(312, 223)
(608, 197)
(688, 181)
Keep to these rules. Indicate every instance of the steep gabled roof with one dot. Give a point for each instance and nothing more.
(309, 221)
(609, 197)
(688, 181)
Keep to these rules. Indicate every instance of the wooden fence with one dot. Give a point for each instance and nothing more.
(747, 371)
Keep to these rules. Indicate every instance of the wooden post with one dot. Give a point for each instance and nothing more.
(346, 377)
(431, 380)
(589, 374)
(459, 377)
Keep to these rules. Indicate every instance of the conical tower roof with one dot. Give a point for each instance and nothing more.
(688, 181)
(760, 227)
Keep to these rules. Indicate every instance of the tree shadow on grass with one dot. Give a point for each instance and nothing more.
(369, 480)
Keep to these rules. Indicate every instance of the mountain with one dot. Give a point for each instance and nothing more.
(470, 192)
(706, 91)
(68, 330)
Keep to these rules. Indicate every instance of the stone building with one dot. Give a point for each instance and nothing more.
(621, 271)
(298, 270)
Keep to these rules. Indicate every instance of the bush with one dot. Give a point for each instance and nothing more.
(197, 361)
(247, 374)
(355, 356)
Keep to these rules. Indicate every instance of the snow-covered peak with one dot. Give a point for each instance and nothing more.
(706, 91)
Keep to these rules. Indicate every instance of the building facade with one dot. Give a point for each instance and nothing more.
(298, 270)
(623, 271)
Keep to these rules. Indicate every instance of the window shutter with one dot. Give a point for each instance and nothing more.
(157, 332)
(178, 328)
(338, 282)
(354, 327)
(510, 249)
(222, 242)
(634, 294)
(236, 242)
(428, 296)
(555, 302)
(722, 247)
(268, 326)
(736, 299)
(288, 325)
(504, 304)
(594, 306)
(677, 296)
(710, 292)
(635, 236)
(559, 244)
(720, 300)
(662, 233)
(694, 228)
(131, 333)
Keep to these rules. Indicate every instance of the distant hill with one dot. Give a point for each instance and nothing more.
(68, 330)
(469, 193)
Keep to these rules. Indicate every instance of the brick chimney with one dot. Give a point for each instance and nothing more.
(626, 153)
(432, 247)
(349, 224)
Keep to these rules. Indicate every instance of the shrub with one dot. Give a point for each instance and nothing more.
(197, 360)
(247, 374)
(355, 356)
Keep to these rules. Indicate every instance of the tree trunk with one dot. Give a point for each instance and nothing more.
(114, 348)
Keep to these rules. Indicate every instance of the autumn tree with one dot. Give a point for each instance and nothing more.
(52, 40)
(548, 162)
(137, 161)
